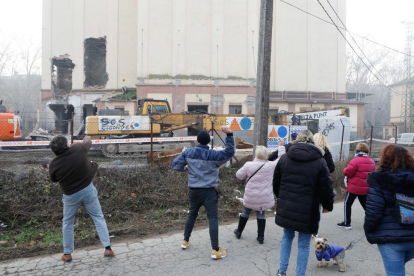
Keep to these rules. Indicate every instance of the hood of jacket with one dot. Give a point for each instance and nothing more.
(400, 181)
(302, 152)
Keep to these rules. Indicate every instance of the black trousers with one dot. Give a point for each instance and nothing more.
(349, 200)
(207, 197)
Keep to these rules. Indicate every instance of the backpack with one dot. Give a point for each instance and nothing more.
(404, 209)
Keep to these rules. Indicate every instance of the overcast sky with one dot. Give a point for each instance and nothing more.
(377, 19)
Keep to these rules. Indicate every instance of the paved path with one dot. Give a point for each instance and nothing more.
(163, 256)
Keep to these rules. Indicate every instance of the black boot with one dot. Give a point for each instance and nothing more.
(240, 228)
(261, 225)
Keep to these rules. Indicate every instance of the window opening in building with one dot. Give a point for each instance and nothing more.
(198, 108)
(272, 115)
(95, 62)
(235, 109)
(62, 67)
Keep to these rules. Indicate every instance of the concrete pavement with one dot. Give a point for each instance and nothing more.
(162, 255)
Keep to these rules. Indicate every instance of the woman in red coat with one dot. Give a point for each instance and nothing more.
(357, 172)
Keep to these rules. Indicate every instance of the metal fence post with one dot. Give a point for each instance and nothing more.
(370, 140)
(152, 142)
(342, 140)
(396, 133)
(71, 131)
(212, 134)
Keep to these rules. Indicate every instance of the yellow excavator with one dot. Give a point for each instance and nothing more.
(154, 116)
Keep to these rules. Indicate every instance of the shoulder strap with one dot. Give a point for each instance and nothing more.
(255, 172)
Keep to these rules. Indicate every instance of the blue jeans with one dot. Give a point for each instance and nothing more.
(395, 255)
(246, 213)
(87, 197)
(303, 251)
(207, 197)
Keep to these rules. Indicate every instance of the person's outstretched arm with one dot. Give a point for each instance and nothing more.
(222, 156)
(179, 163)
(87, 143)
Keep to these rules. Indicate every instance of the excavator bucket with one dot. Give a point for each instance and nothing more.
(241, 144)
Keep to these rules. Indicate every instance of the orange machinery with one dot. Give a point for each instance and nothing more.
(10, 125)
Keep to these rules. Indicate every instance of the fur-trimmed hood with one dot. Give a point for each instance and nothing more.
(400, 181)
(303, 152)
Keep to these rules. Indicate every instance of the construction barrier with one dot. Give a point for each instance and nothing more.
(102, 142)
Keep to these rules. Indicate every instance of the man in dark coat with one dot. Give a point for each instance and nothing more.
(301, 182)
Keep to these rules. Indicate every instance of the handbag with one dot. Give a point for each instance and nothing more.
(404, 209)
(255, 172)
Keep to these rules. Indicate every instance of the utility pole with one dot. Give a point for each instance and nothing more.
(263, 73)
(406, 95)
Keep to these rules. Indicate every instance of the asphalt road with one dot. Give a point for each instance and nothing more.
(162, 255)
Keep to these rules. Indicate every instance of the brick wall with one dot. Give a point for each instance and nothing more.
(179, 92)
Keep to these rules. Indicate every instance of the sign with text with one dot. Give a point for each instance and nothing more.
(240, 123)
(117, 123)
(297, 129)
(274, 133)
(302, 118)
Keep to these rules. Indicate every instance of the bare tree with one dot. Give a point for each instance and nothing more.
(21, 89)
(387, 66)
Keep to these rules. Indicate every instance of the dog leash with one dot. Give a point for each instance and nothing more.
(354, 242)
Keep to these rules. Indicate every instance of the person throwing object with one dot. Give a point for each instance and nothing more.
(203, 166)
(72, 169)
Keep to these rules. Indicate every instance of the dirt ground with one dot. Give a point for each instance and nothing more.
(21, 162)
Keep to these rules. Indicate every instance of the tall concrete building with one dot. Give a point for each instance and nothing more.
(197, 54)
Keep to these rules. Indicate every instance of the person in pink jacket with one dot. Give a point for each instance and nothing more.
(258, 194)
(357, 172)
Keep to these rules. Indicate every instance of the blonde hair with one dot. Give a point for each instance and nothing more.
(362, 147)
(320, 140)
(261, 152)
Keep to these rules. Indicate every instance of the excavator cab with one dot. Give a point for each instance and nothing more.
(151, 106)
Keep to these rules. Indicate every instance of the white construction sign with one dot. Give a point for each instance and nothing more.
(274, 133)
(117, 123)
(302, 118)
(240, 123)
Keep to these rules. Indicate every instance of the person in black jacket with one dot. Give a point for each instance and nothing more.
(301, 182)
(274, 155)
(395, 241)
(320, 141)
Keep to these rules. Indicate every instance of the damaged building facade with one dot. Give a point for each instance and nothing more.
(199, 55)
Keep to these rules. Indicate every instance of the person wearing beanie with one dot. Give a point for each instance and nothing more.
(301, 181)
(274, 155)
(202, 165)
(203, 137)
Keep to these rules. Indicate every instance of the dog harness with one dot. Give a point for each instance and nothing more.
(331, 251)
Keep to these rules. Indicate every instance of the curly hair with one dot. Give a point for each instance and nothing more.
(394, 157)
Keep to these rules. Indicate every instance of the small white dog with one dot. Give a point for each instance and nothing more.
(325, 252)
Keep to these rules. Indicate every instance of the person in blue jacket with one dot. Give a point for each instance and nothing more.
(202, 165)
(395, 241)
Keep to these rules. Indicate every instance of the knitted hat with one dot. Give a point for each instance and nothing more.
(305, 136)
(203, 137)
(293, 136)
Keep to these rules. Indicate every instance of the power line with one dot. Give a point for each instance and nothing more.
(354, 39)
(363, 37)
(353, 48)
